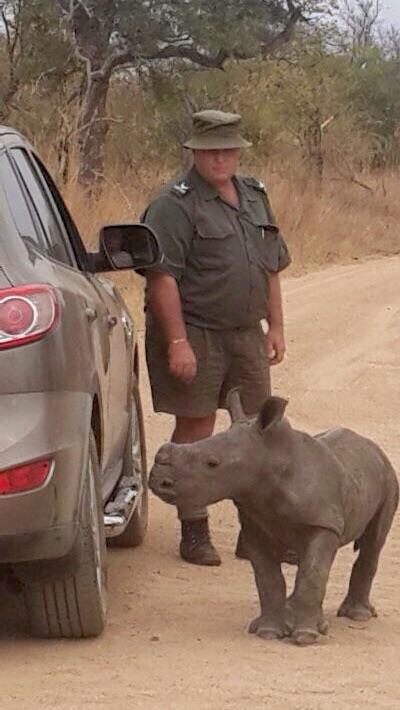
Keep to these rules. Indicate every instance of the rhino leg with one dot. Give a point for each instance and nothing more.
(356, 605)
(305, 619)
(290, 620)
(271, 587)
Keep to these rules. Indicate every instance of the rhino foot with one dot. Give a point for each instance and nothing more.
(304, 637)
(290, 622)
(323, 626)
(265, 629)
(357, 611)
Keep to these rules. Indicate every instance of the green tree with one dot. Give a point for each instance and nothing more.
(372, 89)
(33, 48)
(109, 35)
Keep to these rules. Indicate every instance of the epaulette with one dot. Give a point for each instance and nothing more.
(255, 183)
(258, 185)
(181, 188)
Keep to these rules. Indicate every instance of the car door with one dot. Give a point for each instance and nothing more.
(121, 366)
(83, 300)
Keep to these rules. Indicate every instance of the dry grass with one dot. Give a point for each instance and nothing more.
(339, 221)
(335, 222)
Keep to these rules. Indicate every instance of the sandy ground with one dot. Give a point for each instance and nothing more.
(176, 638)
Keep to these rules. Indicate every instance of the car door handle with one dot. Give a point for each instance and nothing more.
(127, 326)
(112, 321)
(91, 314)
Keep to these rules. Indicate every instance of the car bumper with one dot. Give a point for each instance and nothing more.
(42, 523)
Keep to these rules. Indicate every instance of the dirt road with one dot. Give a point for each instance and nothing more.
(177, 637)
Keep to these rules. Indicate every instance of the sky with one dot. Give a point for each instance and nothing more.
(391, 12)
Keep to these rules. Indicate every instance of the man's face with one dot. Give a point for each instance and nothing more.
(216, 166)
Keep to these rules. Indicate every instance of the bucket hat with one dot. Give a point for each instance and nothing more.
(213, 130)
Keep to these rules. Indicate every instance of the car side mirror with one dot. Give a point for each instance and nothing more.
(126, 246)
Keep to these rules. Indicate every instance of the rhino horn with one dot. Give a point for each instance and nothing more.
(234, 404)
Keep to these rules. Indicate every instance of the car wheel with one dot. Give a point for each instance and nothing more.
(135, 462)
(74, 606)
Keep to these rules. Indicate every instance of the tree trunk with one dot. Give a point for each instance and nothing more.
(93, 129)
(93, 25)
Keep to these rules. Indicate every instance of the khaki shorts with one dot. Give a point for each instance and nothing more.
(225, 359)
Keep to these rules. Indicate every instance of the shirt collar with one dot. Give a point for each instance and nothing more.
(209, 192)
(246, 192)
(206, 191)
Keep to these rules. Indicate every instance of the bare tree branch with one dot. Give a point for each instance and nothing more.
(361, 18)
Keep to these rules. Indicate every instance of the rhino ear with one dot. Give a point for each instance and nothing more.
(234, 404)
(271, 412)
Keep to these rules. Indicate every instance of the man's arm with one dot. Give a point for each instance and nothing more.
(167, 216)
(276, 346)
(166, 308)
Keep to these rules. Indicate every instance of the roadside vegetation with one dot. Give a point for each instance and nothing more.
(105, 90)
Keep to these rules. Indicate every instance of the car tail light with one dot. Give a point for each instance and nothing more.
(24, 478)
(27, 313)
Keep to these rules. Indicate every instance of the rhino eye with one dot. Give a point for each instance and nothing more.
(213, 462)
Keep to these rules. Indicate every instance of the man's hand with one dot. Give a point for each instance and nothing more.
(276, 346)
(182, 361)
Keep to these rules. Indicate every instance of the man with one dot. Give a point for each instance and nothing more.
(209, 302)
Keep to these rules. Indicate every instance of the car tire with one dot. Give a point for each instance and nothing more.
(135, 459)
(74, 606)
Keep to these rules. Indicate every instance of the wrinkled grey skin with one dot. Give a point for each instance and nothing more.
(305, 494)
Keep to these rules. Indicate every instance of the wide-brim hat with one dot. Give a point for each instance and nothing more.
(216, 130)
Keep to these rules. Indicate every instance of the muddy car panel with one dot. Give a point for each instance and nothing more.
(51, 388)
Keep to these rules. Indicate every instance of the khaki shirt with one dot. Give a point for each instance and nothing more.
(219, 255)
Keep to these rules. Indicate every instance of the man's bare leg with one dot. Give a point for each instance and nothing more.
(190, 429)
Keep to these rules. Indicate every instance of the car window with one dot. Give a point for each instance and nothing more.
(50, 221)
(74, 237)
(19, 208)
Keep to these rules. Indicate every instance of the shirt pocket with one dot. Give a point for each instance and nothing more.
(265, 241)
(214, 243)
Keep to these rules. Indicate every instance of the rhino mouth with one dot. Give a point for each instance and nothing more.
(165, 495)
(163, 486)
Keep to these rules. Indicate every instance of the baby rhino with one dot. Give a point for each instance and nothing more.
(299, 499)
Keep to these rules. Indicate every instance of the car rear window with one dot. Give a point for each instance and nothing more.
(43, 206)
(17, 204)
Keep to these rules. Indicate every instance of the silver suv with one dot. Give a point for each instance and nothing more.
(72, 448)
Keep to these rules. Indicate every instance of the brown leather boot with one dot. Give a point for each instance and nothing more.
(196, 546)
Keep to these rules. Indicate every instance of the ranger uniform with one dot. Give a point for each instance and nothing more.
(220, 256)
